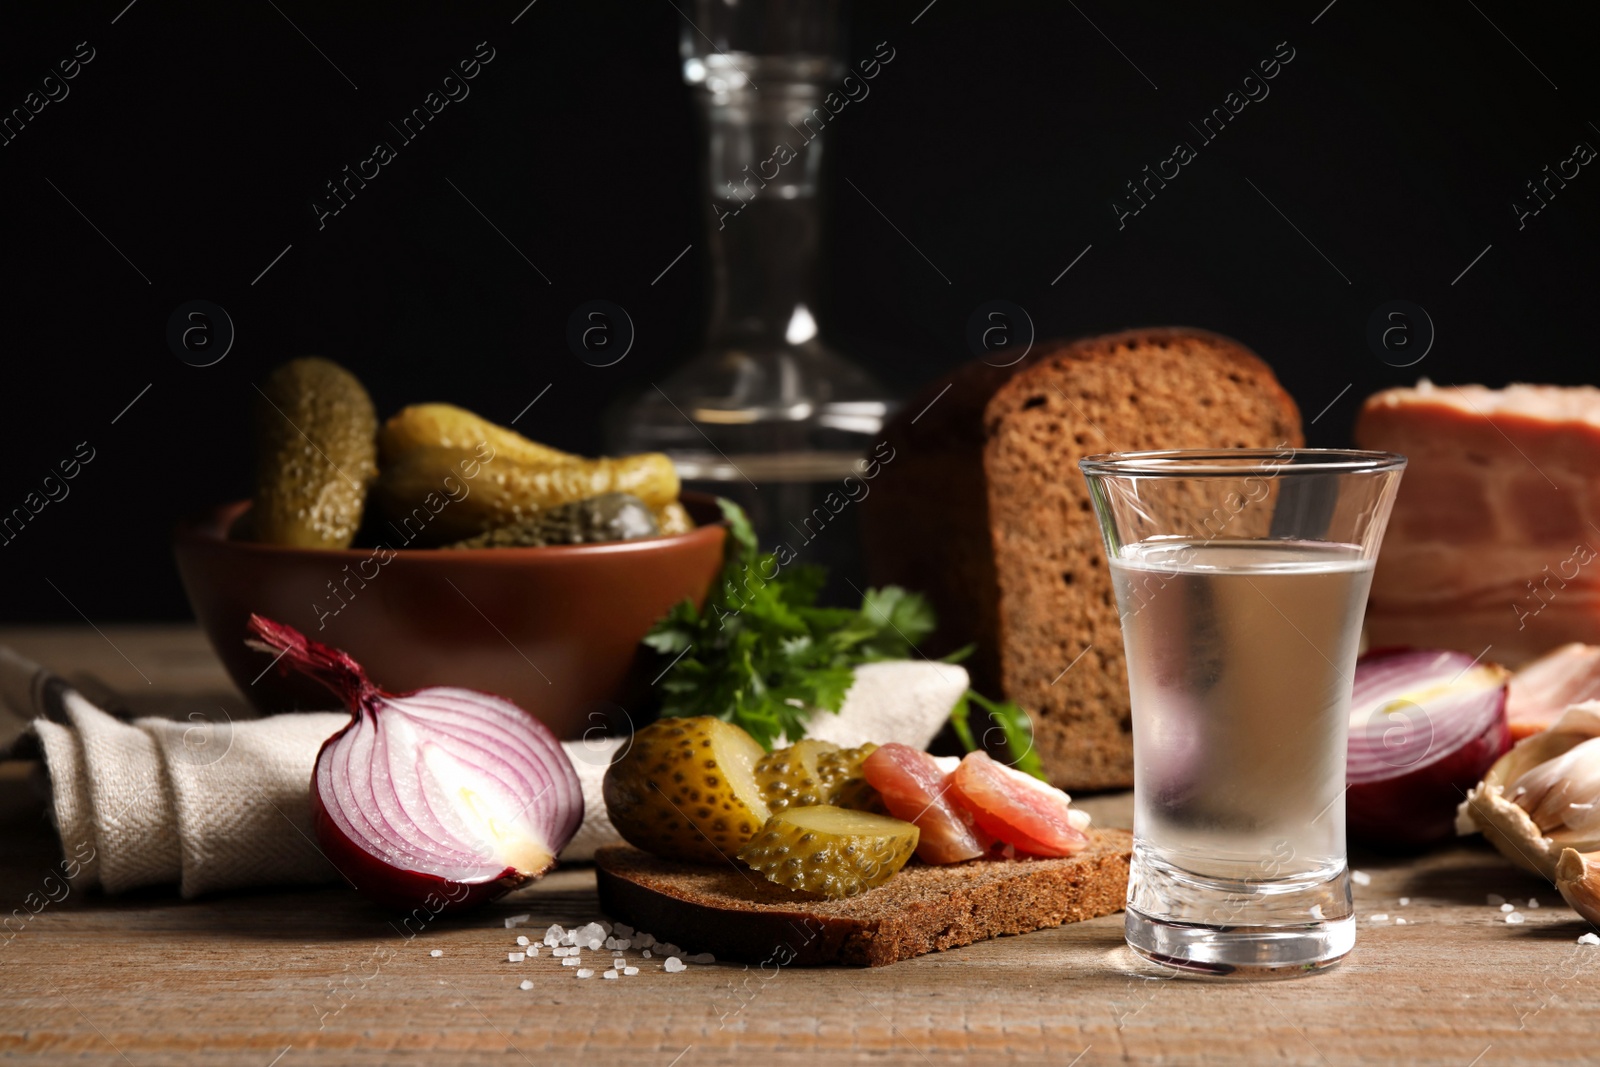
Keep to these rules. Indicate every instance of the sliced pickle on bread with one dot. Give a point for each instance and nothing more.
(791, 777)
(686, 789)
(830, 851)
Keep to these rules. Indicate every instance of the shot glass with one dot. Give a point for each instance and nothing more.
(1241, 578)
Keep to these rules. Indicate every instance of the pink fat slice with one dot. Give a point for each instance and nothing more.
(915, 788)
(1542, 690)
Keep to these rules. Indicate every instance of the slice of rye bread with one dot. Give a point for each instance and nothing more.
(735, 914)
(981, 506)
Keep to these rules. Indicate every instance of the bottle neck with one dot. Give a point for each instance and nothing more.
(763, 152)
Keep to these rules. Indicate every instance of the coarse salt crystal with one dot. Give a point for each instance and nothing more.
(1533, 902)
(516, 920)
(646, 953)
(525, 984)
(646, 940)
(1508, 907)
(701, 957)
(1495, 900)
(606, 927)
(1399, 922)
(609, 974)
(674, 965)
(619, 963)
(1404, 901)
(594, 944)
(622, 943)
(1361, 877)
(1514, 917)
(1380, 917)
(552, 936)
(1589, 939)
(611, 942)
(622, 930)
(522, 939)
(585, 972)
(533, 951)
(570, 961)
(670, 949)
(436, 953)
(635, 970)
(516, 957)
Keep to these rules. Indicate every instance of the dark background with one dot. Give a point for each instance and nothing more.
(196, 140)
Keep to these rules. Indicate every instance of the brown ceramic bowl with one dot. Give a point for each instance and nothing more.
(556, 630)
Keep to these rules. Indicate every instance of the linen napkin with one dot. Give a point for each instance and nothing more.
(221, 805)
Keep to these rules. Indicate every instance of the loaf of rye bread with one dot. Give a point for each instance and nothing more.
(982, 508)
(735, 914)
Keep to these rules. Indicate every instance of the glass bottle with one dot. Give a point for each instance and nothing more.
(765, 413)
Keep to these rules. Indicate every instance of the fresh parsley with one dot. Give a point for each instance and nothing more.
(1016, 729)
(762, 655)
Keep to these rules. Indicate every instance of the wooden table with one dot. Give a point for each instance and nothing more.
(318, 976)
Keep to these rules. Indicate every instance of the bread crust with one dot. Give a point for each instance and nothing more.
(736, 914)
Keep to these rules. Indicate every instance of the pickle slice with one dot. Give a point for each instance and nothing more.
(833, 852)
(843, 783)
(790, 777)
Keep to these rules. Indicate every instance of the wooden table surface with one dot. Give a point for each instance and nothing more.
(317, 976)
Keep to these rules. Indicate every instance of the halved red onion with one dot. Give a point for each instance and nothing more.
(442, 797)
(1424, 727)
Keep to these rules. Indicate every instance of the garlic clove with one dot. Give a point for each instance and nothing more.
(1578, 879)
(1561, 792)
(1535, 802)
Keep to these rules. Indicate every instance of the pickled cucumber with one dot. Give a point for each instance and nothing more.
(830, 851)
(316, 453)
(447, 426)
(685, 789)
(789, 777)
(843, 783)
(673, 518)
(502, 492)
(607, 517)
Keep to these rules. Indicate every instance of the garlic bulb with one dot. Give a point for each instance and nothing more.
(1543, 797)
